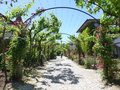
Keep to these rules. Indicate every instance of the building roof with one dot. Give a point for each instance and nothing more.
(3, 16)
(87, 23)
(9, 34)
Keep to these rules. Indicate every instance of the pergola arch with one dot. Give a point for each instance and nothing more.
(71, 8)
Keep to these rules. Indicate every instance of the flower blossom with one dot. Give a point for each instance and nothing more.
(33, 13)
(8, 59)
(97, 36)
(100, 31)
(101, 66)
(98, 58)
(98, 28)
(97, 65)
(26, 24)
(114, 77)
(73, 55)
(21, 32)
(100, 61)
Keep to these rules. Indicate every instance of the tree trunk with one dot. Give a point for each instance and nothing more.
(40, 52)
(48, 52)
(80, 58)
(31, 50)
(16, 71)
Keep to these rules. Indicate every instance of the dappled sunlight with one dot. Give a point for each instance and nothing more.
(59, 45)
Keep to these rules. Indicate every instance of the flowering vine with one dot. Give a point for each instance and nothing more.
(18, 50)
(103, 48)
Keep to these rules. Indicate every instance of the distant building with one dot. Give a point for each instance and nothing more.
(4, 18)
(8, 35)
(117, 46)
(72, 46)
(87, 23)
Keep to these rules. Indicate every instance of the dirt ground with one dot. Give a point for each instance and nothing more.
(2, 80)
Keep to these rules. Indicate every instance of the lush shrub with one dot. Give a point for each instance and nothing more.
(89, 62)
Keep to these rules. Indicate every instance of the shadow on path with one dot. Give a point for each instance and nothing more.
(64, 74)
(63, 65)
(21, 86)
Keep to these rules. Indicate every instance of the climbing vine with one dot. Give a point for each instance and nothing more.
(104, 49)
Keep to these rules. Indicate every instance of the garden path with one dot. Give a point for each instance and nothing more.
(64, 74)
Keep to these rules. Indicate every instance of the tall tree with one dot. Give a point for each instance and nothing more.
(110, 8)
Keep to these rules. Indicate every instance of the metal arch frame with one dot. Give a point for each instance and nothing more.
(28, 21)
(70, 35)
(30, 18)
(65, 34)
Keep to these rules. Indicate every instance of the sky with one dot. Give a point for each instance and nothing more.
(71, 19)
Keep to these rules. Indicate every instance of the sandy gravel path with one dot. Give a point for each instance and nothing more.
(64, 74)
